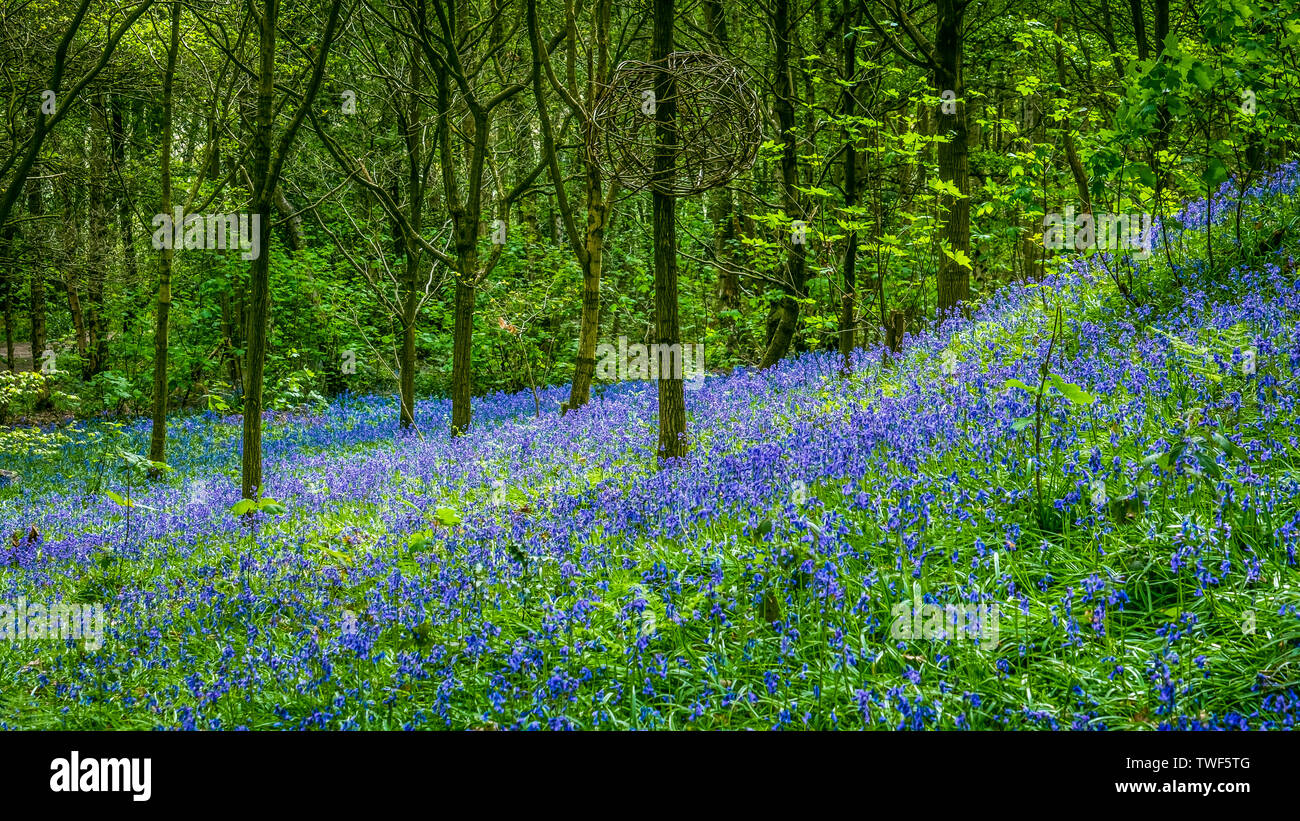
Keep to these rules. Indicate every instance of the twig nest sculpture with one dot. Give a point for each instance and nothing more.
(717, 119)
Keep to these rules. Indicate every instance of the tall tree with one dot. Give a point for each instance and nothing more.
(589, 246)
(794, 270)
(942, 56)
(268, 164)
(459, 86)
(672, 396)
(35, 247)
(158, 435)
(848, 301)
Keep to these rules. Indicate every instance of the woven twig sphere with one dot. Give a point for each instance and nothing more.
(718, 124)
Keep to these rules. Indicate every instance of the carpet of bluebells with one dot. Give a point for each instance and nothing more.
(541, 572)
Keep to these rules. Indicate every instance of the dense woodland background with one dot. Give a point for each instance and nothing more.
(921, 143)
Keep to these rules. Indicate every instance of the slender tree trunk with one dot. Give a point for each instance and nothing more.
(292, 221)
(954, 278)
(260, 271)
(36, 302)
(784, 320)
(462, 386)
(592, 267)
(1164, 122)
(589, 249)
(78, 315)
(1071, 151)
(672, 396)
(1139, 29)
(415, 197)
(97, 246)
(266, 176)
(8, 281)
(158, 435)
(125, 217)
(848, 307)
(723, 203)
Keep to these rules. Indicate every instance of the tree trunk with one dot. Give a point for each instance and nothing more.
(672, 396)
(848, 306)
(266, 176)
(415, 202)
(723, 203)
(1139, 29)
(124, 217)
(78, 316)
(786, 311)
(158, 435)
(462, 387)
(260, 270)
(954, 278)
(36, 304)
(96, 322)
(8, 280)
(292, 221)
(592, 267)
(589, 250)
(1071, 151)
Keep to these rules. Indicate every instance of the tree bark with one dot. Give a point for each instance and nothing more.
(8, 280)
(1071, 151)
(267, 168)
(848, 306)
(589, 249)
(124, 216)
(462, 376)
(785, 314)
(259, 271)
(723, 202)
(97, 246)
(954, 278)
(415, 205)
(672, 397)
(158, 435)
(36, 303)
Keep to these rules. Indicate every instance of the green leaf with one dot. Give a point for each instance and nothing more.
(1143, 173)
(1208, 465)
(338, 556)
(1022, 423)
(272, 507)
(1201, 76)
(448, 516)
(1072, 392)
(421, 541)
(1215, 172)
(243, 507)
(1228, 447)
(1016, 383)
(1156, 458)
(118, 499)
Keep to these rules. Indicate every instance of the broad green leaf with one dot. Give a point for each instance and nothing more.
(448, 516)
(1072, 392)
